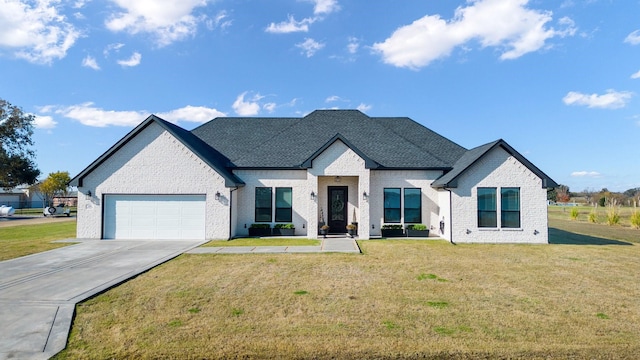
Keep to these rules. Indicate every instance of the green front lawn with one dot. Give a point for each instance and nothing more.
(400, 299)
(21, 240)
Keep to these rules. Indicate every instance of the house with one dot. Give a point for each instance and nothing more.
(163, 182)
(21, 197)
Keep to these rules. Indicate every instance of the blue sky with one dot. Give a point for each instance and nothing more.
(556, 79)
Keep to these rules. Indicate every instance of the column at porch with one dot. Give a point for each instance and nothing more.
(312, 211)
(364, 223)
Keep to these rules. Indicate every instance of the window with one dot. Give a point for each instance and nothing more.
(263, 204)
(412, 206)
(283, 205)
(510, 207)
(392, 205)
(487, 211)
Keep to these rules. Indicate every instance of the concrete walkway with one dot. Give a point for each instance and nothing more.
(330, 244)
(38, 292)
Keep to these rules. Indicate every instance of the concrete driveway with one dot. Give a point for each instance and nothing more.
(38, 292)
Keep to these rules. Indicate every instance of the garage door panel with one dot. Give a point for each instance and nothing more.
(154, 217)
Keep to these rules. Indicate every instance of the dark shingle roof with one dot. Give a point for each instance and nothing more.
(289, 142)
(450, 179)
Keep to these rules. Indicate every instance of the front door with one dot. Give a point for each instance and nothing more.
(337, 209)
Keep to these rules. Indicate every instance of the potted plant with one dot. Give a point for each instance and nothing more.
(417, 230)
(392, 231)
(284, 230)
(352, 229)
(260, 230)
(323, 230)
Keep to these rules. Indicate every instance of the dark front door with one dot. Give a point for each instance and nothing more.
(337, 209)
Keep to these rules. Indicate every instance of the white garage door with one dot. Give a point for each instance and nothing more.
(154, 217)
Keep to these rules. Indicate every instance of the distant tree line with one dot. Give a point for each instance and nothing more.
(604, 197)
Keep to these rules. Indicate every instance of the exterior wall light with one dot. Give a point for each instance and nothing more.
(365, 196)
(313, 195)
(89, 194)
(337, 178)
(217, 195)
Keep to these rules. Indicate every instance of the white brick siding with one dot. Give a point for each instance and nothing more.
(153, 162)
(381, 179)
(498, 169)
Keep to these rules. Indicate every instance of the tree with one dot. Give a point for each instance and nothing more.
(588, 195)
(562, 194)
(56, 184)
(16, 156)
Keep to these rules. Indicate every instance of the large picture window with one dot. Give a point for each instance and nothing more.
(510, 207)
(283, 205)
(263, 204)
(487, 210)
(392, 205)
(412, 206)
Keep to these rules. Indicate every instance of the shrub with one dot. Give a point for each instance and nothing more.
(351, 227)
(284, 226)
(574, 213)
(613, 216)
(593, 216)
(260, 226)
(635, 219)
(391, 227)
(421, 227)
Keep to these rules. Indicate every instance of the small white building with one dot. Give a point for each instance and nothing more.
(163, 182)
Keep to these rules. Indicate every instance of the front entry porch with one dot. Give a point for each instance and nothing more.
(340, 206)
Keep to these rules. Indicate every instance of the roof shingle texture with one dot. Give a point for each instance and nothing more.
(397, 142)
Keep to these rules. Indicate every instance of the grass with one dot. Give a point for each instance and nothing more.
(496, 301)
(21, 240)
(275, 241)
(599, 215)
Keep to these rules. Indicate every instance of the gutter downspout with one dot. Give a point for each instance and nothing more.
(231, 210)
(450, 216)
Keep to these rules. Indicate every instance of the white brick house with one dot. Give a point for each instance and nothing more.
(331, 166)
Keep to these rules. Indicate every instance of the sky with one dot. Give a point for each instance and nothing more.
(556, 79)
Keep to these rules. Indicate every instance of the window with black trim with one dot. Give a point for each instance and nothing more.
(510, 207)
(487, 210)
(412, 206)
(284, 205)
(392, 205)
(263, 204)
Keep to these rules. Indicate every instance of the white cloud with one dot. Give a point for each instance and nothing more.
(353, 45)
(198, 114)
(325, 6)
(332, 98)
(270, 107)
(507, 25)
(290, 26)
(219, 21)
(112, 47)
(364, 107)
(310, 47)
(635, 75)
(593, 174)
(168, 21)
(90, 62)
(633, 38)
(134, 60)
(35, 30)
(611, 100)
(80, 4)
(90, 115)
(249, 107)
(44, 122)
